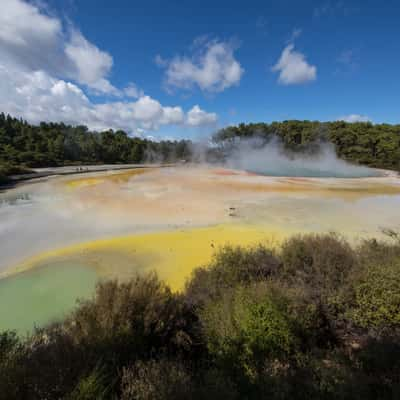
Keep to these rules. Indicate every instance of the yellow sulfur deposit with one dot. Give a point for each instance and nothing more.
(114, 177)
(74, 230)
(82, 182)
(173, 255)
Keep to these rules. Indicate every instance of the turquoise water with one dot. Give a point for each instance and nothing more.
(39, 296)
(355, 172)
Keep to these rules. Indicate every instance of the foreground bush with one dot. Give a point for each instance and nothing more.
(319, 262)
(377, 298)
(249, 327)
(141, 317)
(230, 267)
(124, 322)
(316, 319)
(171, 379)
(156, 380)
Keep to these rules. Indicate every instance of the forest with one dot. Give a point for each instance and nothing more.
(315, 318)
(23, 145)
(373, 145)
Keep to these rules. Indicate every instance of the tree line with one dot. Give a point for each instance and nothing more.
(313, 319)
(373, 145)
(23, 145)
(57, 144)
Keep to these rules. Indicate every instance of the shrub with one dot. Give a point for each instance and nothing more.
(10, 354)
(378, 363)
(43, 366)
(138, 318)
(247, 328)
(372, 251)
(314, 325)
(253, 324)
(122, 323)
(320, 262)
(91, 387)
(9, 343)
(156, 380)
(377, 298)
(230, 267)
(163, 379)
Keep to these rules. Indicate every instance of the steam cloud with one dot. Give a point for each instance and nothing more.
(270, 158)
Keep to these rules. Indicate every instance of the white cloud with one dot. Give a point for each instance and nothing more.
(133, 91)
(38, 57)
(293, 67)
(196, 117)
(36, 41)
(355, 118)
(212, 68)
(173, 115)
(29, 37)
(91, 65)
(37, 96)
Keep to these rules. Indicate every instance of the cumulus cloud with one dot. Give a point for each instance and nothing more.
(196, 116)
(37, 96)
(212, 67)
(90, 64)
(38, 57)
(133, 91)
(29, 37)
(37, 41)
(293, 67)
(174, 115)
(355, 118)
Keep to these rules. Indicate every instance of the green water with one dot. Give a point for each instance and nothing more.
(39, 296)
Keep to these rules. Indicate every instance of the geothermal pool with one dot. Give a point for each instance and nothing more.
(59, 236)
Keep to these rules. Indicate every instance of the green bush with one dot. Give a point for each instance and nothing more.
(377, 298)
(122, 323)
(320, 262)
(43, 366)
(249, 327)
(141, 317)
(231, 266)
(315, 320)
(156, 380)
(163, 379)
(91, 387)
(315, 323)
(372, 251)
(11, 351)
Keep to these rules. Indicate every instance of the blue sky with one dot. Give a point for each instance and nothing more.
(195, 66)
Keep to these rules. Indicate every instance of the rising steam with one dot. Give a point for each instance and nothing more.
(270, 158)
